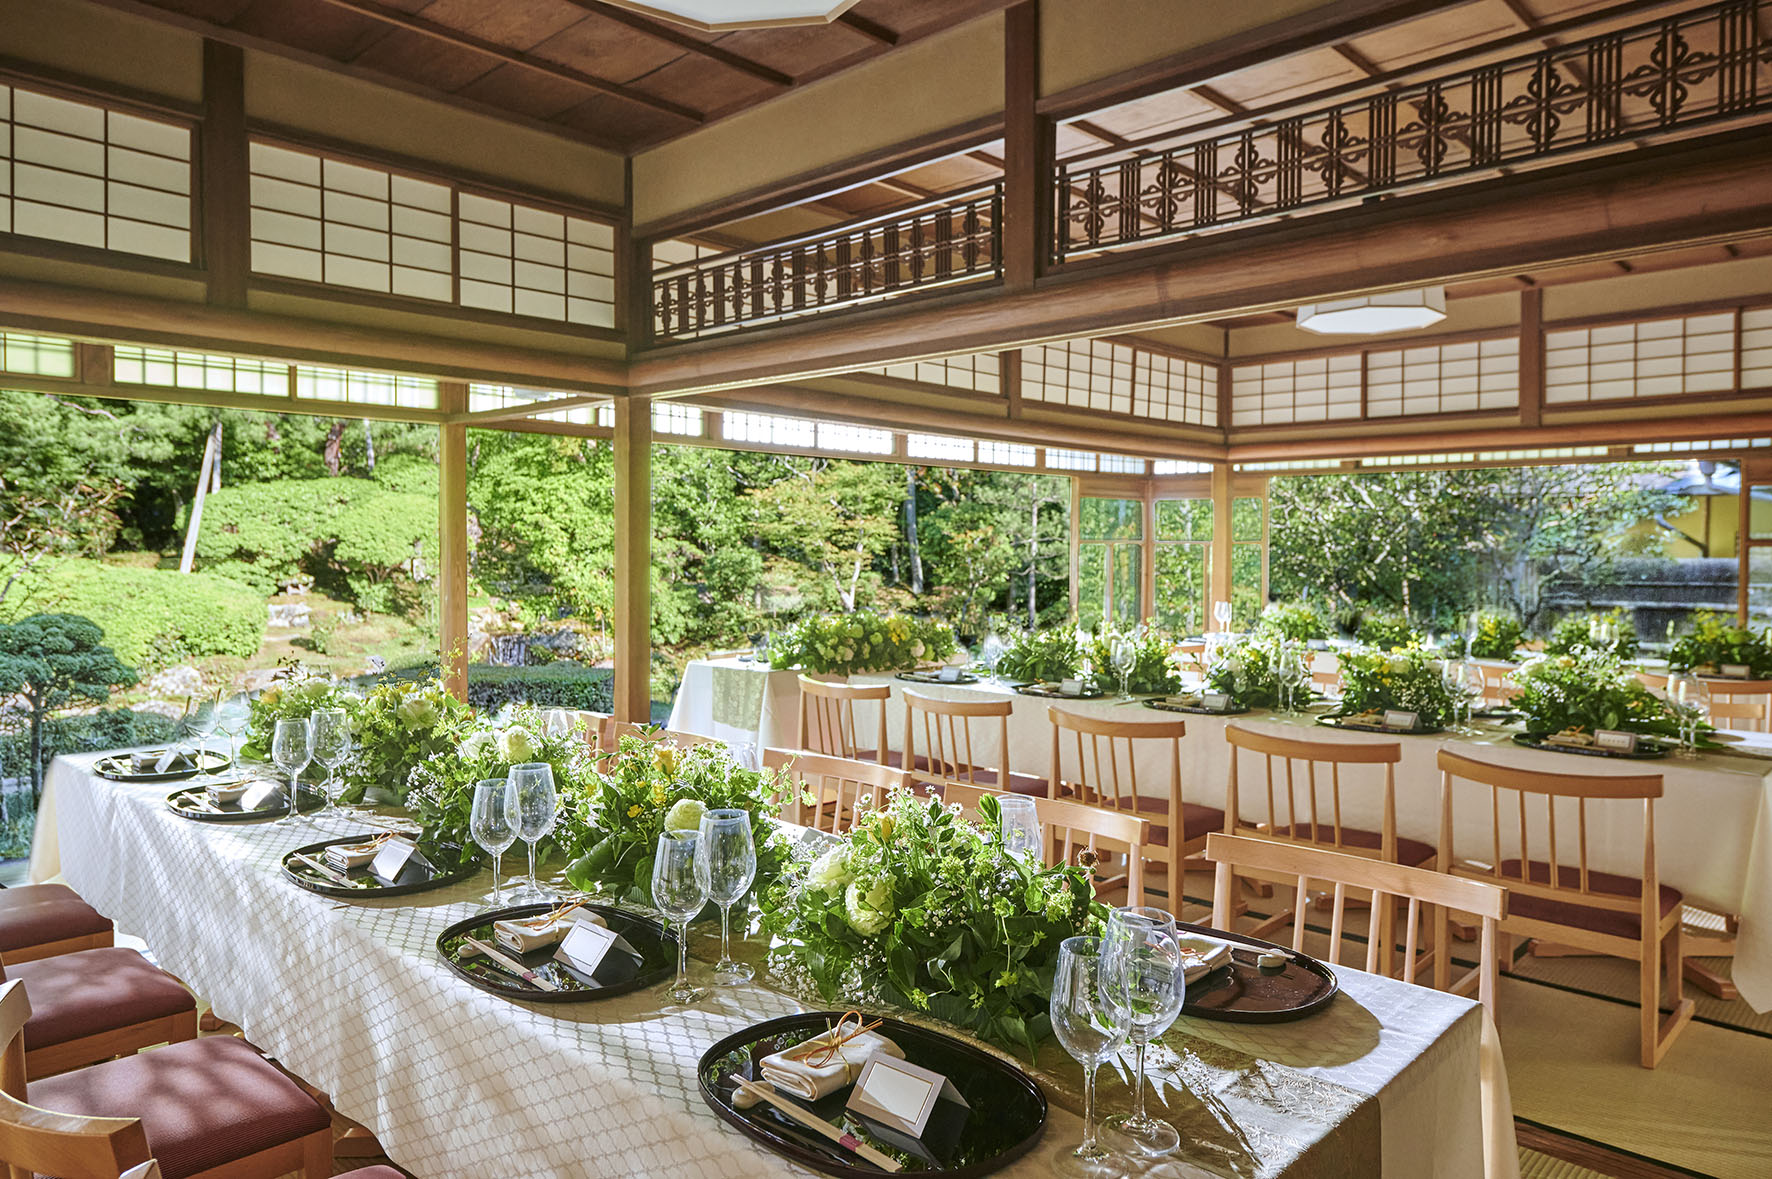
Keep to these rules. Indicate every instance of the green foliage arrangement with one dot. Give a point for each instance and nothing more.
(1577, 631)
(1715, 641)
(1588, 690)
(1246, 669)
(397, 726)
(154, 618)
(299, 691)
(920, 908)
(440, 788)
(1297, 621)
(847, 643)
(1499, 635)
(1152, 670)
(1042, 656)
(52, 661)
(649, 787)
(1383, 631)
(558, 685)
(1411, 680)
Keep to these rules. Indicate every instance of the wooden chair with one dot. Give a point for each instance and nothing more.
(1178, 827)
(1623, 916)
(96, 1004)
(946, 752)
(620, 729)
(43, 920)
(110, 1119)
(837, 783)
(1741, 704)
(1071, 827)
(1420, 887)
(599, 727)
(827, 718)
(1498, 690)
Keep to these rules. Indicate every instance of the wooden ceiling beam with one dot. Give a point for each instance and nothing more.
(872, 30)
(661, 31)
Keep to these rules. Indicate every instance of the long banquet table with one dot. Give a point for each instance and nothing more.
(1390, 1079)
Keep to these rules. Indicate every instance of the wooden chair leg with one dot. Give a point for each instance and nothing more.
(1710, 981)
(1659, 1033)
(1649, 999)
(316, 1155)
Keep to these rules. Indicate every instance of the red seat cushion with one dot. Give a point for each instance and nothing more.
(1412, 852)
(1196, 820)
(36, 914)
(1608, 921)
(202, 1103)
(372, 1173)
(92, 991)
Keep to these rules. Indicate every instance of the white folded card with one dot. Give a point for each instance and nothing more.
(260, 794)
(1616, 740)
(1396, 718)
(587, 942)
(792, 1072)
(1216, 702)
(1071, 687)
(900, 1094)
(392, 857)
(948, 675)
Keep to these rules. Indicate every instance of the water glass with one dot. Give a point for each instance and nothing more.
(1020, 825)
(679, 892)
(332, 745)
(203, 723)
(493, 824)
(537, 808)
(292, 748)
(727, 865)
(1087, 1024)
(1145, 978)
(1689, 698)
(1221, 612)
(1125, 657)
(232, 722)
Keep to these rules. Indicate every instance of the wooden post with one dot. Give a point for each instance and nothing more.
(1219, 574)
(633, 559)
(223, 177)
(1532, 357)
(1027, 152)
(452, 532)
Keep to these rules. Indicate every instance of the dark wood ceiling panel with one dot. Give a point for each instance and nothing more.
(695, 82)
(220, 12)
(519, 90)
(521, 24)
(313, 28)
(417, 58)
(608, 49)
(802, 49)
(606, 118)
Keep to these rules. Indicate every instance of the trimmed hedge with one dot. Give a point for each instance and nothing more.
(112, 728)
(557, 685)
(154, 618)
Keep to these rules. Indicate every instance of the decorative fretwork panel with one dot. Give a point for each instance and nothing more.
(1600, 93)
(927, 247)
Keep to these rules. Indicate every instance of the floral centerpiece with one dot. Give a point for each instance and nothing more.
(1585, 691)
(396, 727)
(1589, 631)
(1373, 682)
(1715, 641)
(1293, 620)
(1247, 670)
(440, 787)
(299, 691)
(1387, 632)
(920, 908)
(646, 788)
(848, 643)
(1042, 656)
(1498, 636)
(1152, 670)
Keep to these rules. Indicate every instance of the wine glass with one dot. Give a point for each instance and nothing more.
(1020, 825)
(232, 722)
(1087, 1024)
(332, 745)
(557, 722)
(1473, 687)
(678, 891)
(537, 808)
(1689, 698)
(292, 748)
(992, 653)
(726, 867)
(1125, 656)
(1291, 674)
(203, 723)
(493, 824)
(1221, 611)
(1145, 979)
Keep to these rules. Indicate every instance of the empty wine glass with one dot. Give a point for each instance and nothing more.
(332, 745)
(1125, 656)
(1020, 825)
(1145, 980)
(203, 722)
(557, 722)
(679, 892)
(991, 653)
(493, 824)
(727, 865)
(1087, 1024)
(1291, 674)
(232, 722)
(1688, 696)
(537, 808)
(292, 748)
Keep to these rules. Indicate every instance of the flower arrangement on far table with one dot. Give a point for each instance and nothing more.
(1152, 671)
(1387, 632)
(1373, 682)
(300, 691)
(1499, 635)
(1714, 641)
(1297, 621)
(1042, 656)
(440, 788)
(396, 727)
(847, 643)
(1612, 633)
(1586, 691)
(921, 908)
(1247, 670)
(646, 788)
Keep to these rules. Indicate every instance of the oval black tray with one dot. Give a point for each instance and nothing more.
(444, 865)
(1338, 722)
(656, 944)
(178, 802)
(1037, 690)
(930, 677)
(1647, 750)
(1241, 992)
(1164, 706)
(1007, 1110)
(115, 767)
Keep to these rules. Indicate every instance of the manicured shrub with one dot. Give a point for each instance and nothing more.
(558, 685)
(112, 728)
(154, 618)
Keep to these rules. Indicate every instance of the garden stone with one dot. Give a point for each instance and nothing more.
(258, 679)
(176, 683)
(290, 614)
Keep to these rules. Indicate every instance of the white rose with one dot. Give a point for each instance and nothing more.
(515, 746)
(830, 870)
(848, 653)
(917, 648)
(868, 912)
(475, 747)
(685, 815)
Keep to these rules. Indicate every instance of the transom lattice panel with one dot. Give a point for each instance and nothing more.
(313, 382)
(37, 356)
(1444, 378)
(1281, 392)
(91, 176)
(173, 369)
(1119, 378)
(977, 371)
(529, 261)
(1756, 348)
(1652, 358)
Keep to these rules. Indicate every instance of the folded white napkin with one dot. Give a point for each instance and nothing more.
(220, 792)
(532, 933)
(800, 1078)
(1203, 954)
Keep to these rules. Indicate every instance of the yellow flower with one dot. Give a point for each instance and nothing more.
(634, 811)
(658, 793)
(885, 827)
(665, 757)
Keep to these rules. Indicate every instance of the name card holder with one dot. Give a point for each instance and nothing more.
(1734, 671)
(1071, 687)
(585, 946)
(900, 1095)
(1615, 740)
(1216, 701)
(259, 795)
(1396, 718)
(391, 860)
(948, 675)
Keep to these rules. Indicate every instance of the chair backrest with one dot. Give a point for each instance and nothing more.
(1655, 681)
(1552, 877)
(1498, 689)
(1326, 673)
(827, 717)
(598, 727)
(1071, 827)
(1741, 704)
(1298, 765)
(1439, 893)
(1106, 770)
(838, 785)
(41, 1141)
(946, 746)
(620, 729)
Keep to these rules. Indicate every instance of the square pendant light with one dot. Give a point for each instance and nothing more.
(720, 16)
(1394, 311)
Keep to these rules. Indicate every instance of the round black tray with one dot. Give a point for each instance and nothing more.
(178, 802)
(116, 767)
(445, 865)
(1648, 749)
(1037, 690)
(1340, 722)
(656, 944)
(1007, 1110)
(930, 677)
(1241, 992)
(1162, 705)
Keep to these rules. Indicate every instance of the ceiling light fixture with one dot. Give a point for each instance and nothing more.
(1394, 311)
(722, 16)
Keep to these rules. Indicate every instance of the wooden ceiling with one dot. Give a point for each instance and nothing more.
(605, 75)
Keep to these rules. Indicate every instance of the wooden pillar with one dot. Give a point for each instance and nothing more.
(223, 175)
(1218, 580)
(633, 559)
(1027, 152)
(1532, 357)
(452, 534)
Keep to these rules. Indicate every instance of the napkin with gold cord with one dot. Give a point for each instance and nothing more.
(827, 1062)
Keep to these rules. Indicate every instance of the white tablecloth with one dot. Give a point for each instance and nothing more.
(456, 1082)
(738, 702)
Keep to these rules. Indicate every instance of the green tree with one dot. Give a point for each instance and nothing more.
(544, 506)
(54, 660)
(836, 519)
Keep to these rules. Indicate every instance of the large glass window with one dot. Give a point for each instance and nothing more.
(1109, 562)
(1248, 560)
(1183, 554)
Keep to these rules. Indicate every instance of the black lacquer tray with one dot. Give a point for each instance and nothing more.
(1647, 750)
(193, 802)
(116, 767)
(1006, 1116)
(930, 677)
(1162, 705)
(443, 864)
(1241, 992)
(1342, 722)
(1055, 694)
(619, 973)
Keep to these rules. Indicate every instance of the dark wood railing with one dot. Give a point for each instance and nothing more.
(955, 240)
(1604, 92)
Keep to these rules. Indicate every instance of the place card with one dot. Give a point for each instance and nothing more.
(585, 946)
(391, 859)
(948, 675)
(1615, 740)
(259, 795)
(1396, 718)
(1216, 701)
(1071, 687)
(1734, 671)
(900, 1094)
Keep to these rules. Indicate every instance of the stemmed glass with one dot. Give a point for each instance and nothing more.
(1689, 698)
(332, 745)
(292, 748)
(1125, 657)
(991, 653)
(1291, 675)
(233, 723)
(558, 722)
(1457, 675)
(1087, 1024)
(493, 824)
(1020, 824)
(537, 808)
(726, 867)
(1145, 978)
(1221, 612)
(679, 892)
(203, 722)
